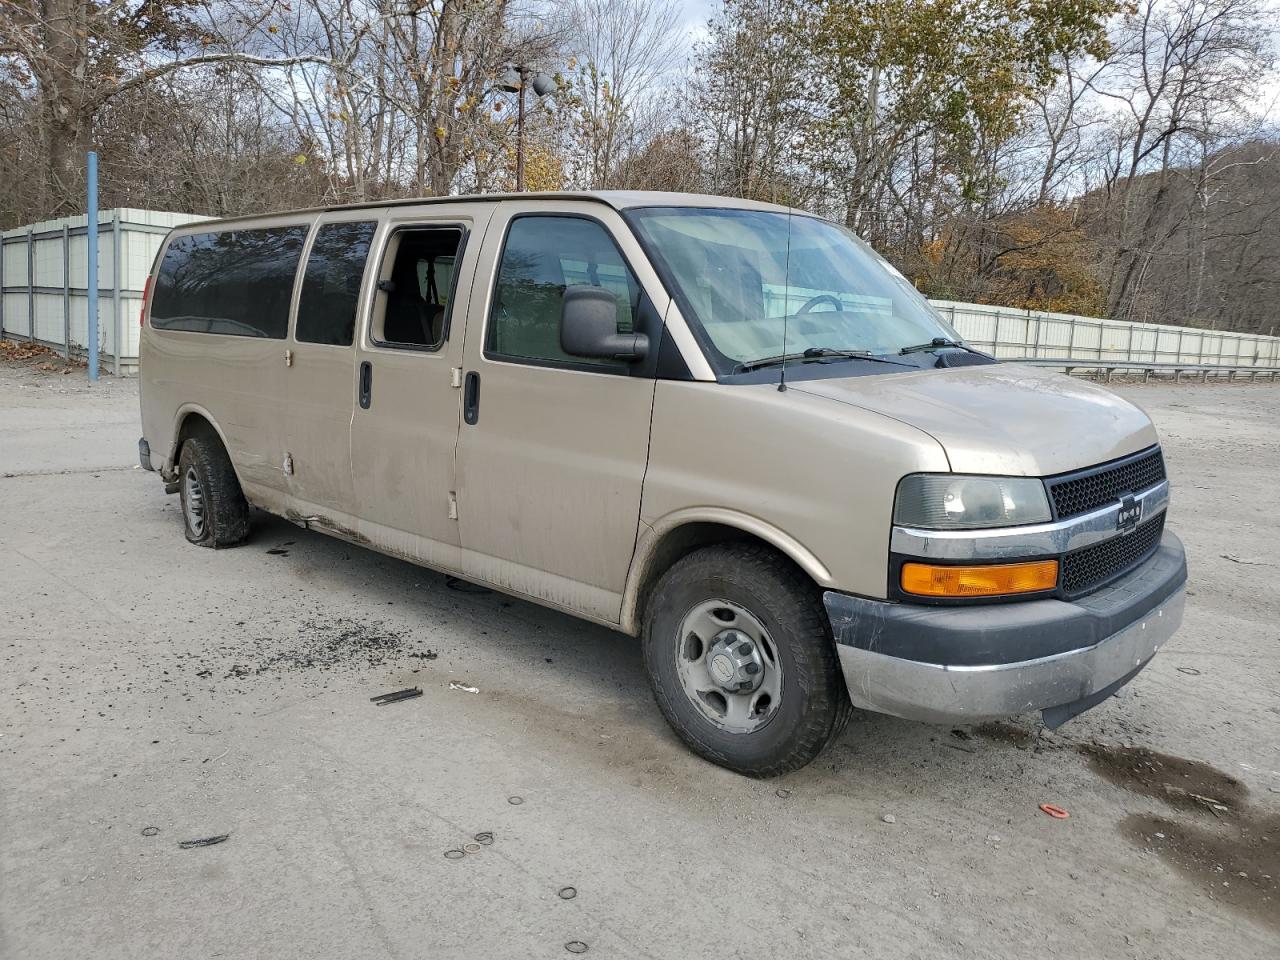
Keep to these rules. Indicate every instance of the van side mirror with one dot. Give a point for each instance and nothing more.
(589, 327)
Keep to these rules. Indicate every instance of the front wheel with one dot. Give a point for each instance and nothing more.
(741, 660)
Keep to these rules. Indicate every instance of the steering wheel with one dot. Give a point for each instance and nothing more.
(820, 298)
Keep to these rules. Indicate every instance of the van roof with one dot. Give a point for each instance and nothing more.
(618, 199)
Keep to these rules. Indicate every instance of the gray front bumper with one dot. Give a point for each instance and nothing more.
(1073, 653)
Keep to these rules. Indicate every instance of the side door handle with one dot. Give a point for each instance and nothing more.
(471, 398)
(366, 384)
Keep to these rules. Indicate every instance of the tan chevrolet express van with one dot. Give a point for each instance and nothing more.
(726, 427)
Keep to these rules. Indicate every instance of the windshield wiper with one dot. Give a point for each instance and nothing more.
(939, 343)
(816, 353)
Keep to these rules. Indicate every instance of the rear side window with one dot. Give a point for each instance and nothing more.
(412, 306)
(234, 282)
(542, 256)
(331, 284)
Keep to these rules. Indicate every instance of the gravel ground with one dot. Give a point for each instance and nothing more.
(152, 693)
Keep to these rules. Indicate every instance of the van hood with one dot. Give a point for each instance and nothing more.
(1003, 419)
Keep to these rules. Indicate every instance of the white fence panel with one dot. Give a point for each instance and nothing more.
(1010, 333)
(44, 269)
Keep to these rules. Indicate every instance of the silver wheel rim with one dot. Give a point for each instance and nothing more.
(728, 666)
(193, 502)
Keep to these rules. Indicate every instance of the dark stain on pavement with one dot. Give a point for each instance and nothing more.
(1230, 851)
(1184, 784)
(1234, 863)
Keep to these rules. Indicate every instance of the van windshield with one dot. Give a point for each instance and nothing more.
(744, 275)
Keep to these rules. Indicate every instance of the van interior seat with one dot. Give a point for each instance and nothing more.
(409, 318)
(414, 314)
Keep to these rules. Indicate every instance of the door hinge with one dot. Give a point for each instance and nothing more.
(455, 376)
(288, 358)
(453, 505)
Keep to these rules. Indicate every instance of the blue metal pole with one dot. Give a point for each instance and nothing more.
(92, 282)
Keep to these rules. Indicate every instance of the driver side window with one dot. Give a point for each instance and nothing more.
(542, 256)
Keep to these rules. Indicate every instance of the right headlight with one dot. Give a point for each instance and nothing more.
(948, 501)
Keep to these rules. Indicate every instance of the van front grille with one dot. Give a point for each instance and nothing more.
(1093, 566)
(1079, 493)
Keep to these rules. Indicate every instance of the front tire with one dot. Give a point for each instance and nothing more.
(742, 662)
(214, 510)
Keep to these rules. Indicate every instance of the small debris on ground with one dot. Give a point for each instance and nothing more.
(204, 841)
(1189, 671)
(576, 946)
(217, 758)
(515, 801)
(150, 831)
(459, 685)
(783, 792)
(567, 893)
(409, 693)
(329, 644)
(485, 837)
(1054, 811)
(454, 854)
(1214, 805)
(889, 818)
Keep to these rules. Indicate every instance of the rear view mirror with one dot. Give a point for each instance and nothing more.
(589, 327)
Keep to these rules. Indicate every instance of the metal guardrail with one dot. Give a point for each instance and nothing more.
(1105, 368)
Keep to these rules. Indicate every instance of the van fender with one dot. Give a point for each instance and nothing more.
(169, 470)
(648, 553)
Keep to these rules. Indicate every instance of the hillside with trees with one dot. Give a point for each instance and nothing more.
(1089, 156)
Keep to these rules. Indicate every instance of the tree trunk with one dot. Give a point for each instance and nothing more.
(62, 109)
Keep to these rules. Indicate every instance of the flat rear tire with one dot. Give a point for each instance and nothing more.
(214, 510)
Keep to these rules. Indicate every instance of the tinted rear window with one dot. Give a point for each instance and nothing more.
(236, 282)
(331, 285)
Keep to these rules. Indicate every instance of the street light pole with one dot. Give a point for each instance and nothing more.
(520, 135)
(514, 82)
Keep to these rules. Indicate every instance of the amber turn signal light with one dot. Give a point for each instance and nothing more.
(994, 580)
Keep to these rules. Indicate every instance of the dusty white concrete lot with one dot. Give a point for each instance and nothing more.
(146, 683)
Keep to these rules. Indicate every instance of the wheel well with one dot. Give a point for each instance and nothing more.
(678, 544)
(194, 425)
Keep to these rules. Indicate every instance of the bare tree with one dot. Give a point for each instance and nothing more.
(749, 96)
(620, 53)
(1185, 77)
(77, 55)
